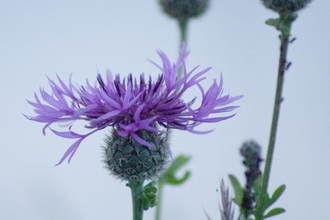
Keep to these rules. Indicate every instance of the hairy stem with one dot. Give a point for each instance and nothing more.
(284, 26)
(136, 190)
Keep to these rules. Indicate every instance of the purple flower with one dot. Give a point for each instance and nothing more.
(133, 104)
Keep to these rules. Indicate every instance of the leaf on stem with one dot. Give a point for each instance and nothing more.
(276, 195)
(273, 212)
(238, 190)
(148, 197)
(169, 177)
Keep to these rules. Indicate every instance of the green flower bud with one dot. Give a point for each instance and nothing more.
(250, 150)
(128, 160)
(284, 6)
(184, 9)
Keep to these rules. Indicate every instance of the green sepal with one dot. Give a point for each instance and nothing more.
(148, 197)
(150, 187)
(169, 177)
(272, 22)
(279, 24)
(273, 212)
(238, 190)
(283, 23)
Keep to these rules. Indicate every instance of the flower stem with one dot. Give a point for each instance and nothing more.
(136, 190)
(159, 199)
(183, 24)
(284, 25)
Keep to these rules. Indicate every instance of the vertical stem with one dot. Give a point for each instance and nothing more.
(287, 20)
(183, 25)
(136, 190)
(159, 200)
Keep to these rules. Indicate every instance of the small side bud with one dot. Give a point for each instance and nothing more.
(285, 6)
(184, 9)
(250, 150)
(128, 160)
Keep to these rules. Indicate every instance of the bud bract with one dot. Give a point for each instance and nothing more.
(184, 9)
(129, 160)
(285, 6)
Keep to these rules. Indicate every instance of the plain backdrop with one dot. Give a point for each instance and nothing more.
(45, 38)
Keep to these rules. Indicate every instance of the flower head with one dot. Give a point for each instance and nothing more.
(184, 9)
(284, 6)
(133, 104)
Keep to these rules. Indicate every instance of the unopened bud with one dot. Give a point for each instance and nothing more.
(128, 160)
(285, 6)
(184, 9)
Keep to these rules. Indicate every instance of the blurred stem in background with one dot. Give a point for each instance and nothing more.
(183, 31)
(181, 160)
(183, 25)
(169, 178)
(182, 11)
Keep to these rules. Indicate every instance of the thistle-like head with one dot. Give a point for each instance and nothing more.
(184, 9)
(131, 161)
(139, 109)
(286, 6)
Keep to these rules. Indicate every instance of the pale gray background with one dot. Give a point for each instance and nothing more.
(40, 38)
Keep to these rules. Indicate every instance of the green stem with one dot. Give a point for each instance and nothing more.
(136, 190)
(183, 25)
(285, 30)
(159, 200)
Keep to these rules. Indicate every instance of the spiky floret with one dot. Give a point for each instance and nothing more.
(131, 104)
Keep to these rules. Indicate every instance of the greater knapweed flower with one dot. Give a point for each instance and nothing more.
(139, 110)
(184, 9)
(286, 6)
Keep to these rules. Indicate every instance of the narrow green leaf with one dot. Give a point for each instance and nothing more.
(150, 189)
(145, 206)
(238, 190)
(153, 203)
(148, 197)
(151, 184)
(273, 212)
(144, 198)
(278, 192)
(272, 22)
(151, 196)
(276, 195)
